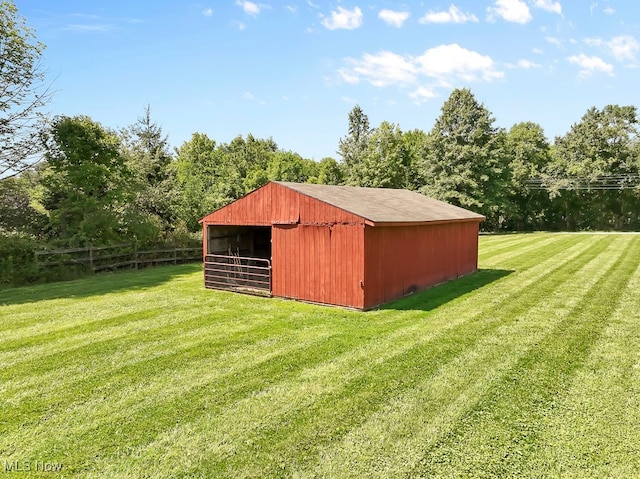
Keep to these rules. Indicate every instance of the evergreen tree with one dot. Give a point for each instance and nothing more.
(150, 161)
(352, 147)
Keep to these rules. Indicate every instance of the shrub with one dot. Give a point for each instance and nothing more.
(17, 259)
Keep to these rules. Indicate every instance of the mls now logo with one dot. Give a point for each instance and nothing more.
(27, 466)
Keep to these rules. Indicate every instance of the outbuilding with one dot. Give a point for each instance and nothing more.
(338, 245)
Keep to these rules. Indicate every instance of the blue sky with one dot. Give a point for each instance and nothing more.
(293, 70)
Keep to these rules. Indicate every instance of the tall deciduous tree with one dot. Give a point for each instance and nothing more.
(289, 166)
(384, 161)
(329, 172)
(86, 183)
(464, 163)
(529, 155)
(249, 158)
(22, 92)
(203, 179)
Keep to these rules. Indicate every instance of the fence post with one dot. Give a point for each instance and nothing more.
(135, 253)
(91, 258)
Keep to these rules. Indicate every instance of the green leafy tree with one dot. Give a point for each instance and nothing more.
(249, 159)
(464, 163)
(416, 145)
(203, 179)
(289, 166)
(595, 167)
(86, 184)
(17, 214)
(23, 93)
(329, 172)
(529, 153)
(384, 161)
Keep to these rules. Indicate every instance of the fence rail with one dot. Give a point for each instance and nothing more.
(98, 258)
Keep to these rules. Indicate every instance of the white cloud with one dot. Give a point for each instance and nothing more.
(240, 26)
(422, 94)
(554, 41)
(453, 15)
(609, 10)
(291, 8)
(515, 11)
(344, 19)
(248, 96)
(349, 76)
(249, 8)
(207, 12)
(590, 65)
(537, 51)
(89, 28)
(349, 100)
(382, 69)
(454, 61)
(437, 67)
(393, 18)
(624, 47)
(524, 64)
(549, 6)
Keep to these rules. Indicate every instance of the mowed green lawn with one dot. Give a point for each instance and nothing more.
(528, 368)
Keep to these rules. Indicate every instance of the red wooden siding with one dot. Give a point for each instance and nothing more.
(401, 260)
(319, 263)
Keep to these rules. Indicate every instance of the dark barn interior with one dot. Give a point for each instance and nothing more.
(245, 241)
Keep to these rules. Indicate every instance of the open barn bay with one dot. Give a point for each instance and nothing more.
(528, 368)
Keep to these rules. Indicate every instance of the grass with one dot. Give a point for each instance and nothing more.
(528, 368)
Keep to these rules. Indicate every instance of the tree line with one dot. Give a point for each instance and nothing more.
(97, 186)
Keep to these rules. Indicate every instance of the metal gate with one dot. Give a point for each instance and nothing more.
(237, 273)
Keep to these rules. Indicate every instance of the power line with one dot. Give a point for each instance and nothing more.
(628, 181)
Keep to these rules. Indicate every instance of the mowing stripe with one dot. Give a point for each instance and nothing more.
(528, 250)
(394, 438)
(503, 428)
(593, 432)
(490, 250)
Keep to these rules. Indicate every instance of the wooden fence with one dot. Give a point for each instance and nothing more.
(98, 258)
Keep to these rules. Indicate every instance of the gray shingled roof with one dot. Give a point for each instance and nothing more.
(384, 205)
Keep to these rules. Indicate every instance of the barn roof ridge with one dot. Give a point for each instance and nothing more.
(384, 205)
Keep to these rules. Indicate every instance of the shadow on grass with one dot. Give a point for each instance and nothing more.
(96, 285)
(436, 296)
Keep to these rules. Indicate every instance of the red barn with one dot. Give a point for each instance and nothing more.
(340, 245)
